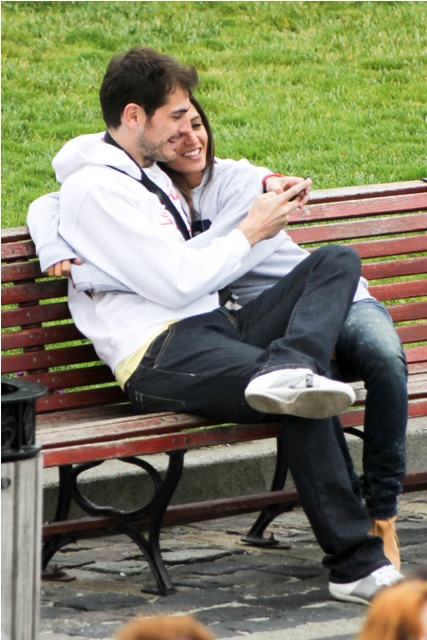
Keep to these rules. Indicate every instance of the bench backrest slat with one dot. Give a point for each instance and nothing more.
(33, 291)
(408, 311)
(391, 246)
(86, 397)
(30, 315)
(73, 378)
(47, 358)
(412, 333)
(376, 206)
(39, 336)
(396, 290)
(359, 228)
(395, 268)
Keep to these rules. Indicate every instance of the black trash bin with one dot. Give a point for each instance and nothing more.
(21, 510)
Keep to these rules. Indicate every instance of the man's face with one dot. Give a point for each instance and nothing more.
(157, 139)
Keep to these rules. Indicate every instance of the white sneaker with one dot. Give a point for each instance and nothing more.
(365, 589)
(298, 392)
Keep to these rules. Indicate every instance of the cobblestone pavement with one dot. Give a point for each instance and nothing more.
(236, 590)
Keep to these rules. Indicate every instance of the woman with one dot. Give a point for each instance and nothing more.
(218, 194)
(369, 348)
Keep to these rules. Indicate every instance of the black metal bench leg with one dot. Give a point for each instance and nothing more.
(152, 512)
(255, 535)
(150, 545)
(52, 545)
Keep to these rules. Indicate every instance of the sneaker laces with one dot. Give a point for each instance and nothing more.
(299, 381)
(378, 529)
(387, 576)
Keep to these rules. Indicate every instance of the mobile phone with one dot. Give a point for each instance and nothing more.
(299, 193)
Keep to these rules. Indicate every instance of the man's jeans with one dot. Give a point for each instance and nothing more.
(203, 364)
(369, 349)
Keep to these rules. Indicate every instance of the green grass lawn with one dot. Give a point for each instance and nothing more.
(335, 90)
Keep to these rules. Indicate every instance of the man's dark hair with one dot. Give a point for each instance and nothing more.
(145, 77)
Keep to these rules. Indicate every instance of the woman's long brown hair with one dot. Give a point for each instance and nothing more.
(177, 178)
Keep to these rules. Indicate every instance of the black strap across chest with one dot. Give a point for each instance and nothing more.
(200, 225)
(153, 188)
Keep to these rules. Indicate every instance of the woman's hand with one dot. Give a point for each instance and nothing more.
(278, 184)
(270, 212)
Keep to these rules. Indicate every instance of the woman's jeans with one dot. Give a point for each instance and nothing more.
(203, 364)
(369, 349)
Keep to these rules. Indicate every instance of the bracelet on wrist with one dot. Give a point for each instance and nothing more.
(270, 175)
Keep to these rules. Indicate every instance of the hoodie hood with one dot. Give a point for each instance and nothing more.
(90, 149)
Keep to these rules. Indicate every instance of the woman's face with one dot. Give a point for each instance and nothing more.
(191, 150)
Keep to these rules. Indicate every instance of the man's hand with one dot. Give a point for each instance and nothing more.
(62, 268)
(270, 212)
(280, 184)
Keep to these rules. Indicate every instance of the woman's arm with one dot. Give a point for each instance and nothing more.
(43, 223)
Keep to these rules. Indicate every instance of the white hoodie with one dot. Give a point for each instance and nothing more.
(112, 221)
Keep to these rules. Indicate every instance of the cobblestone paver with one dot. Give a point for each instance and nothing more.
(238, 591)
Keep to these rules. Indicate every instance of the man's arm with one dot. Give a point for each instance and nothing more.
(226, 201)
(123, 231)
(238, 190)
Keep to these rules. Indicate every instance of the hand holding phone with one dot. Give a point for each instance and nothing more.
(300, 192)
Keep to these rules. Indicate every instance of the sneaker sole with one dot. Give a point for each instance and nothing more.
(349, 598)
(307, 403)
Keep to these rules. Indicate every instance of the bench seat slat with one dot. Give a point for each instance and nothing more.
(133, 426)
(160, 444)
(417, 409)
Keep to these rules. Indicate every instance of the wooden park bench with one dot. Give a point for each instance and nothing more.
(85, 419)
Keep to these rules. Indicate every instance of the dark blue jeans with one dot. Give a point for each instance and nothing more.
(369, 349)
(203, 364)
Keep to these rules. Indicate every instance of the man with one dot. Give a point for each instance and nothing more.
(169, 344)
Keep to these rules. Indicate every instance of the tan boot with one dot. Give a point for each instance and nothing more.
(386, 529)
